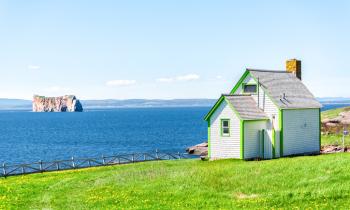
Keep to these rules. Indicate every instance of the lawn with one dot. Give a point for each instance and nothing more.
(307, 182)
(334, 139)
(332, 113)
(316, 182)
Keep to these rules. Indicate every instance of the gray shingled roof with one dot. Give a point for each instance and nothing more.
(285, 89)
(246, 107)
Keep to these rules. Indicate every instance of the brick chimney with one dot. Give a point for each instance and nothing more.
(294, 66)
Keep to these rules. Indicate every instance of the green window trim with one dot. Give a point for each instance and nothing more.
(222, 134)
(242, 139)
(281, 131)
(209, 145)
(245, 84)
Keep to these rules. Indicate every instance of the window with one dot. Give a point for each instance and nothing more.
(249, 88)
(225, 127)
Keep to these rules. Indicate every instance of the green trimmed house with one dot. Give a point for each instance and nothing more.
(268, 114)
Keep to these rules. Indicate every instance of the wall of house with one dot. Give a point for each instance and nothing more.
(271, 110)
(224, 147)
(301, 131)
(252, 138)
(267, 146)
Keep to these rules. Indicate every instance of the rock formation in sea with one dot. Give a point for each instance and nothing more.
(67, 103)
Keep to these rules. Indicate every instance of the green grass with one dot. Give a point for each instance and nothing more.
(332, 113)
(315, 182)
(335, 140)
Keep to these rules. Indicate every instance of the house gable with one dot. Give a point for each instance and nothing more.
(284, 89)
(224, 146)
(248, 78)
(217, 105)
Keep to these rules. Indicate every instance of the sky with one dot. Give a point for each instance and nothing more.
(158, 49)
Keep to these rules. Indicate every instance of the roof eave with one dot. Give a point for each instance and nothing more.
(212, 110)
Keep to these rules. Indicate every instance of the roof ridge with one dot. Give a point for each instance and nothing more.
(266, 70)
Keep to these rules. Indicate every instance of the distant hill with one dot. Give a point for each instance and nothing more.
(17, 104)
(112, 103)
(334, 100)
(20, 104)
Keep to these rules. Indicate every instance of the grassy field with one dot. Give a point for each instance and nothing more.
(315, 182)
(334, 139)
(333, 112)
(321, 182)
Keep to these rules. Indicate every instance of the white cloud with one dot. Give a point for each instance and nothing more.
(165, 80)
(188, 77)
(55, 89)
(33, 67)
(219, 77)
(120, 83)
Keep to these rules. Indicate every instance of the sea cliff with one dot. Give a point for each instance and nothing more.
(68, 103)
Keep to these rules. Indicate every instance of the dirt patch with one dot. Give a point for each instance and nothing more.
(333, 149)
(245, 196)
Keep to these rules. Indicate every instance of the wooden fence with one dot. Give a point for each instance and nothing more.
(76, 163)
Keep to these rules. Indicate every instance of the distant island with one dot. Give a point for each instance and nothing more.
(67, 103)
(26, 105)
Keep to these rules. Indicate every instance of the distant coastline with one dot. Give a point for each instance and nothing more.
(26, 105)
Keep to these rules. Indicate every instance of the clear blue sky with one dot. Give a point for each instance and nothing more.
(167, 49)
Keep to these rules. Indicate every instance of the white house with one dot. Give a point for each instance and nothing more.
(268, 114)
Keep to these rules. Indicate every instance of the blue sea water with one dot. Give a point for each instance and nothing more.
(27, 136)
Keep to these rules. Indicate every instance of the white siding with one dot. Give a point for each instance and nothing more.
(252, 139)
(267, 146)
(271, 110)
(301, 131)
(224, 147)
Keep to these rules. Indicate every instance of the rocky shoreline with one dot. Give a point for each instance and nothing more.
(199, 149)
(337, 124)
(202, 149)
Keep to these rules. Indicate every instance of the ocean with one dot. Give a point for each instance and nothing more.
(27, 137)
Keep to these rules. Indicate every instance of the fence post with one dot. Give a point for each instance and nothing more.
(179, 155)
(157, 157)
(103, 160)
(144, 156)
(89, 163)
(133, 157)
(73, 163)
(4, 169)
(41, 165)
(23, 171)
(57, 166)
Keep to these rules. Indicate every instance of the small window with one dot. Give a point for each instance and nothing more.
(249, 88)
(225, 127)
